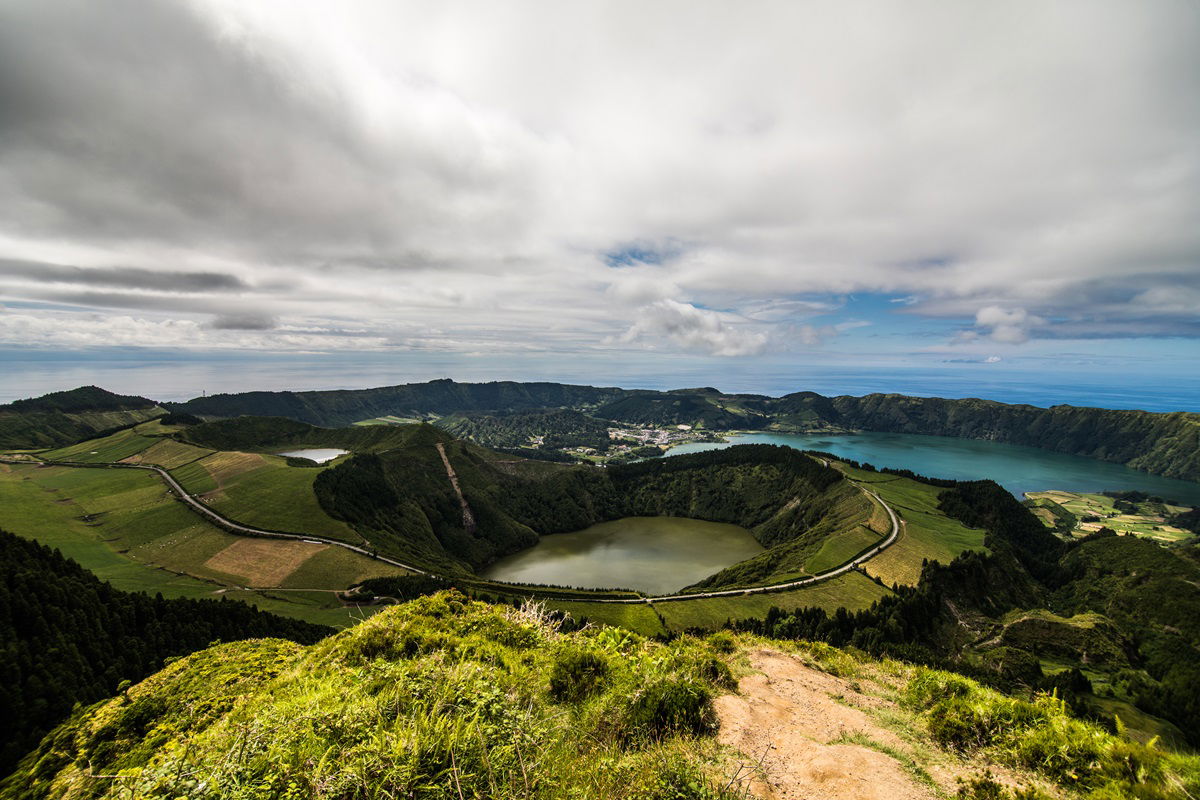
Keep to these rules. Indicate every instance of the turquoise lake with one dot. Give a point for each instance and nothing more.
(1018, 469)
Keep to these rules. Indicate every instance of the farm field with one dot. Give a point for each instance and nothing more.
(262, 491)
(125, 527)
(1148, 519)
(925, 533)
(115, 447)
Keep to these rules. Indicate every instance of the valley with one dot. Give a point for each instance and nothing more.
(789, 536)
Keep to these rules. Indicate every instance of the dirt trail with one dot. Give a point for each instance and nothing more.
(788, 718)
(467, 515)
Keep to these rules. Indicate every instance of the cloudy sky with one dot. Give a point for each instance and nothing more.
(669, 183)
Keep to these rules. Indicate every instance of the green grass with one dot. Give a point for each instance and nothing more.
(926, 533)
(169, 454)
(1149, 520)
(338, 568)
(853, 591)
(438, 698)
(119, 445)
(127, 529)
(840, 547)
(263, 491)
(1041, 736)
(637, 617)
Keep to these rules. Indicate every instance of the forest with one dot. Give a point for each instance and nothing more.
(69, 638)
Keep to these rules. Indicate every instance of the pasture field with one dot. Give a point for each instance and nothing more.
(125, 527)
(168, 454)
(1148, 520)
(840, 547)
(115, 447)
(925, 532)
(264, 492)
(853, 590)
(389, 420)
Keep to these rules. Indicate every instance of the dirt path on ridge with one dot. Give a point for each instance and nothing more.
(804, 724)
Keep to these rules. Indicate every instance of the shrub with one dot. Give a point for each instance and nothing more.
(722, 642)
(671, 705)
(576, 675)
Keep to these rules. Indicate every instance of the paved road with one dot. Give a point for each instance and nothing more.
(229, 524)
(778, 587)
(224, 522)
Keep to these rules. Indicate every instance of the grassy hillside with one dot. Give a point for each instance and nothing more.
(444, 698)
(63, 417)
(70, 638)
(127, 529)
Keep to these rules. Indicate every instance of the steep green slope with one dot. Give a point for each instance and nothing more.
(403, 501)
(70, 638)
(64, 417)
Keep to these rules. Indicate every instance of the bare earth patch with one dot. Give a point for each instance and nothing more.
(789, 720)
(263, 563)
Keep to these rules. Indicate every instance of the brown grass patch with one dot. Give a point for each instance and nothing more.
(263, 563)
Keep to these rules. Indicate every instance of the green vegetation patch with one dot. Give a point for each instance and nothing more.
(1084, 513)
(852, 591)
(114, 447)
(438, 698)
(125, 527)
(926, 534)
(1041, 735)
(263, 491)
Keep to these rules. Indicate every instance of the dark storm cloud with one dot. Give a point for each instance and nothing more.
(243, 322)
(123, 277)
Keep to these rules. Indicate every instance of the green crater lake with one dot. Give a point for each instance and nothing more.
(656, 555)
(1015, 467)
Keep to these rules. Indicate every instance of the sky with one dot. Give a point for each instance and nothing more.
(672, 193)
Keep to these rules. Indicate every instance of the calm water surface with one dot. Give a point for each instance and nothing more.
(317, 454)
(1018, 469)
(657, 555)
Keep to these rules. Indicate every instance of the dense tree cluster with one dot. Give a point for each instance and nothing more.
(558, 428)
(69, 638)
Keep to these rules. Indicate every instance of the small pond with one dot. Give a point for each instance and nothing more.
(317, 454)
(657, 555)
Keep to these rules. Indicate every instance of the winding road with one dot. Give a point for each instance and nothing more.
(224, 522)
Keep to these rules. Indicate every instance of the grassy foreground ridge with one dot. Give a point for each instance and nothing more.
(448, 698)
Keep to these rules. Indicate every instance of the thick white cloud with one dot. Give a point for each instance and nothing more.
(691, 176)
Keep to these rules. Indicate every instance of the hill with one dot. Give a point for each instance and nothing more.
(1162, 443)
(65, 417)
(70, 638)
(447, 698)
